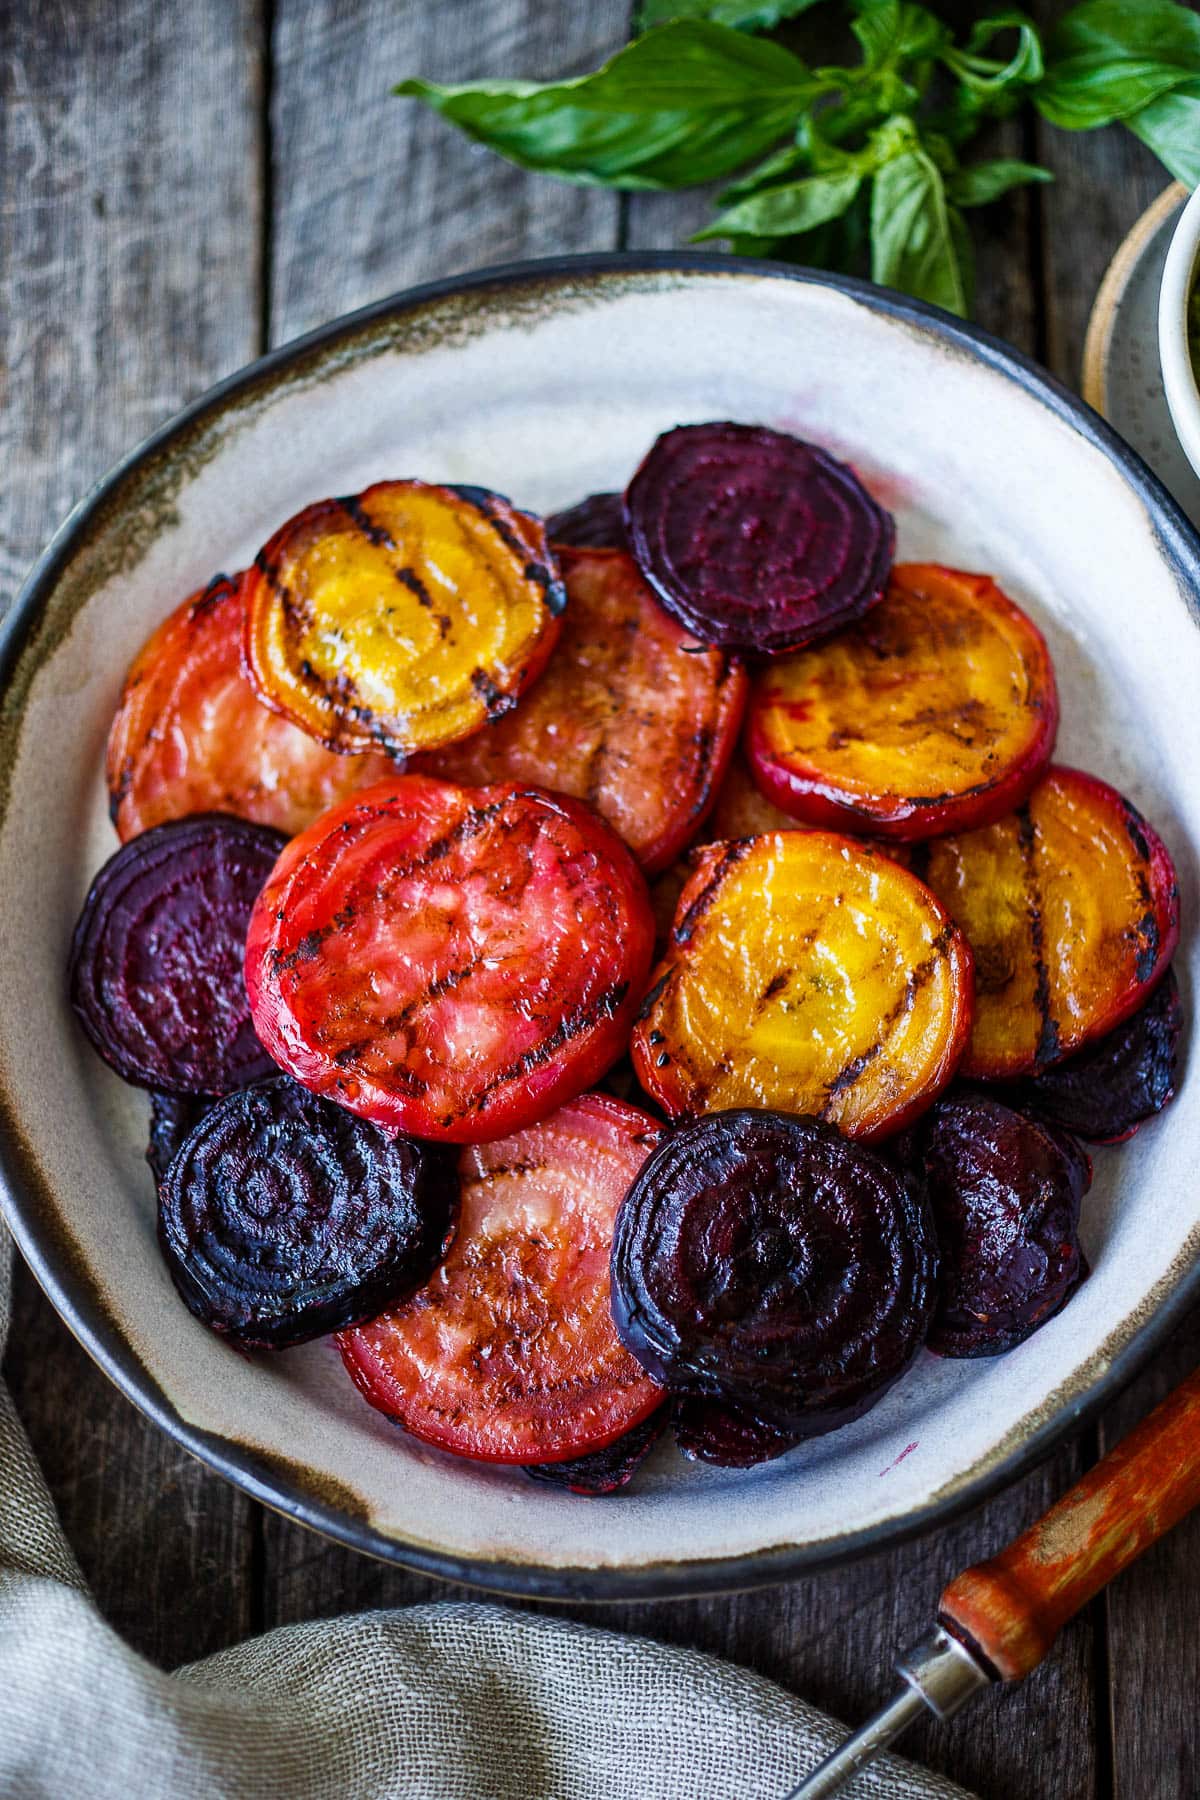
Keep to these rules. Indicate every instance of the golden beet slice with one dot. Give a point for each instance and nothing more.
(807, 973)
(405, 616)
(1071, 905)
(631, 714)
(191, 735)
(937, 711)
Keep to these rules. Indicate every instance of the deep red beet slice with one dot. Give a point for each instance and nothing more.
(172, 1118)
(709, 1432)
(596, 523)
(605, 1471)
(1005, 1192)
(763, 1261)
(755, 540)
(156, 960)
(1109, 1088)
(283, 1217)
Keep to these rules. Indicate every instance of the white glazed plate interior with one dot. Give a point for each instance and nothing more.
(548, 384)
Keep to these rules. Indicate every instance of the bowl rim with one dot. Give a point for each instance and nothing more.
(1181, 380)
(69, 1288)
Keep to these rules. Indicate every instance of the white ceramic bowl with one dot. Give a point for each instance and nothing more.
(1180, 380)
(547, 382)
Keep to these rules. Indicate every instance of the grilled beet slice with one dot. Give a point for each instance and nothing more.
(450, 961)
(605, 1471)
(596, 523)
(756, 541)
(191, 735)
(1071, 905)
(282, 1217)
(1106, 1091)
(762, 1261)
(628, 716)
(172, 1118)
(405, 617)
(730, 1437)
(1005, 1192)
(156, 960)
(936, 712)
(806, 972)
(510, 1355)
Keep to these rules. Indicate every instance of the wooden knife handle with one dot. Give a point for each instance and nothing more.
(1011, 1608)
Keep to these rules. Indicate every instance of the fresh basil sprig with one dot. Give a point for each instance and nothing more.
(849, 166)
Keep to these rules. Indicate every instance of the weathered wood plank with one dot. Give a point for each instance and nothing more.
(129, 207)
(372, 193)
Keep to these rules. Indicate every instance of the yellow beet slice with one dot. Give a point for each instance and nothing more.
(405, 616)
(808, 973)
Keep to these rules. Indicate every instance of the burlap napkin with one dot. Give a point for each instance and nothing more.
(448, 1702)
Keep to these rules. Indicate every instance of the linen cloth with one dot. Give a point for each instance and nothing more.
(438, 1702)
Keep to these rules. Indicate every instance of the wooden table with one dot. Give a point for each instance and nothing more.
(183, 185)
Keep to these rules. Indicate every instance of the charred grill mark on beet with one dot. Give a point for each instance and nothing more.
(370, 528)
(731, 854)
(1105, 1091)
(412, 581)
(496, 702)
(1048, 1036)
(583, 1019)
(609, 1470)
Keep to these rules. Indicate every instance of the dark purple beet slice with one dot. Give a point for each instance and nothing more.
(709, 1432)
(1005, 1192)
(1107, 1090)
(756, 540)
(172, 1117)
(284, 1217)
(597, 523)
(156, 960)
(765, 1262)
(605, 1471)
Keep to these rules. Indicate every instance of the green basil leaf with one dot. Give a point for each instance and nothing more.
(740, 15)
(988, 75)
(982, 182)
(895, 31)
(1170, 126)
(780, 211)
(789, 159)
(686, 104)
(915, 243)
(1107, 59)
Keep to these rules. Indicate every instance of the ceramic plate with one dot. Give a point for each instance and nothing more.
(547, 381)
(1122, 375)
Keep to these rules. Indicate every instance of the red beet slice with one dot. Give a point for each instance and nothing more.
(172, 1118)
(765, 1262)
(596, 523)
(1005, 1192)
(709, 1432)
(756, 540)
(1107, 1090)
(156, 960)
(605, 1471)
(283, 1217)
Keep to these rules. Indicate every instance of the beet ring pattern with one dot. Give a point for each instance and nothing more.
(765, 1262)
(283, 1217)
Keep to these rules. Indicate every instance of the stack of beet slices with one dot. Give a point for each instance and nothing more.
(563, 1161)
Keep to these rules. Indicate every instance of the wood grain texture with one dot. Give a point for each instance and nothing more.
(372, 193)
(129, 207)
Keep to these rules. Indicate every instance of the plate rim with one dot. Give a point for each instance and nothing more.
(70, 1290)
